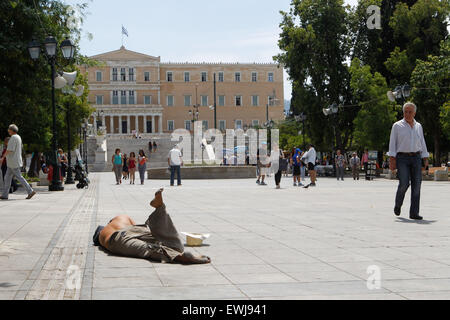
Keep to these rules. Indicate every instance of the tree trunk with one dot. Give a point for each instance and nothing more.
(437, 151)
(34, 171)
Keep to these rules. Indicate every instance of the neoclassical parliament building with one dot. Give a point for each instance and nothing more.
(135, 92)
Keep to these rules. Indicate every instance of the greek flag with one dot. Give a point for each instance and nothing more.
(124, 31)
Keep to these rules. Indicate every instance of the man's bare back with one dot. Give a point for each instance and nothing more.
(116, 224)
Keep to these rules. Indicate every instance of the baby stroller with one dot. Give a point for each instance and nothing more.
(80, 176)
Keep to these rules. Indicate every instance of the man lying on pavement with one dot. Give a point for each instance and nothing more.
(157, 239)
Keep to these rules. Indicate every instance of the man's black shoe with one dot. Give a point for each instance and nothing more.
(416, 217)
(397, 211)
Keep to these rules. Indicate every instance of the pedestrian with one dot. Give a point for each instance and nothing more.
(302, 168)
(365, 162)
(355, 164)
(125, 166)
(63, 163)
(282, 167)
(310, 160)
(117, 163)
(150, 146)
(175, 161)
(14, 162)
(154, 146)
(407, 148)
(263, 167)
(142, 165)
(132, 167)
(296, 167)
(14, 185)
(340, 163)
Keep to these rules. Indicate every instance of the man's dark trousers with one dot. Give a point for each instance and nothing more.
(409, 171)
(172, 175)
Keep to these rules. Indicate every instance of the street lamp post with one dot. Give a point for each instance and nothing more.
(215, 103)
(400, 93)
(67, 49)
(302, 117)
(332, 110)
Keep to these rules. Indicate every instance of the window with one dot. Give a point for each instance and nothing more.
(237, 77)
(169, 76)
(131, 74)
(147, 99)
(123, 97)
(270, 77)
(222, 125)
(131, 97)
(99, 76)
(98, 99)
(187, 101)
(221, 76)
(123, 77)
(255, 101)
(204, 100)
(170, 101)
(187, 125)
(238, 101)
(146, 76)
(238, 124)
(170, 125)
(205, 125)
(114, 74)
(204, 76)
(254, 76)
(221, 101)
(115, 99)
(255, 123)
(187, 77)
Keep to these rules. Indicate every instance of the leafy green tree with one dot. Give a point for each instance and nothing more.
(375, 118)
(418, 30)
(315, 45)
(25, 85)
(431, 81)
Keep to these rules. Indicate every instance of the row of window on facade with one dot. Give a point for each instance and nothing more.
(128, 97)
(169, 76)
(238, 124)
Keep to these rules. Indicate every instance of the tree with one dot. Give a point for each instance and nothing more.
(315, 45)
(431, 93)
(375, 118)
(25, 89)
(417, 31)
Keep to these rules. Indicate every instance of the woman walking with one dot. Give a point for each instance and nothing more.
(125, 166)
(142, 165)
(117, 165)
(132, 167)
(340, 165)
(154, 146)
(282, 166)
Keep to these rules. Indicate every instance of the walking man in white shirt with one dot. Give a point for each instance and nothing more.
(407, 148)
(175, 161)
(14, 163)
(310, 159)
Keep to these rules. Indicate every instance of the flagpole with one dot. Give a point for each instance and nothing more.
(122, 35)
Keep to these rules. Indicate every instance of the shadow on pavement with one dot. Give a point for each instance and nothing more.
(404, 220)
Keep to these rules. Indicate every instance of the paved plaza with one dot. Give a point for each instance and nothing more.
(292, 243)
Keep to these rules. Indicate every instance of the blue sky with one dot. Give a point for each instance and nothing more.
(195, 30)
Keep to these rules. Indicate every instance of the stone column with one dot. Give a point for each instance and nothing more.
(111, 124)
(153, 123)
(136, 122)
(160, 124)
(95, 122)
(128, 124)
(103, 121)
(145, 122)
(120, 124)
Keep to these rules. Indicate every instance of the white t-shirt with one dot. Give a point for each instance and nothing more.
(310, 156)
(175, 157)
(14, 159)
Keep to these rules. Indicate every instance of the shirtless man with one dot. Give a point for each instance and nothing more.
(157, 239)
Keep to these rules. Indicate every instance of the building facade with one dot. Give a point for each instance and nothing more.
(134, 92)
